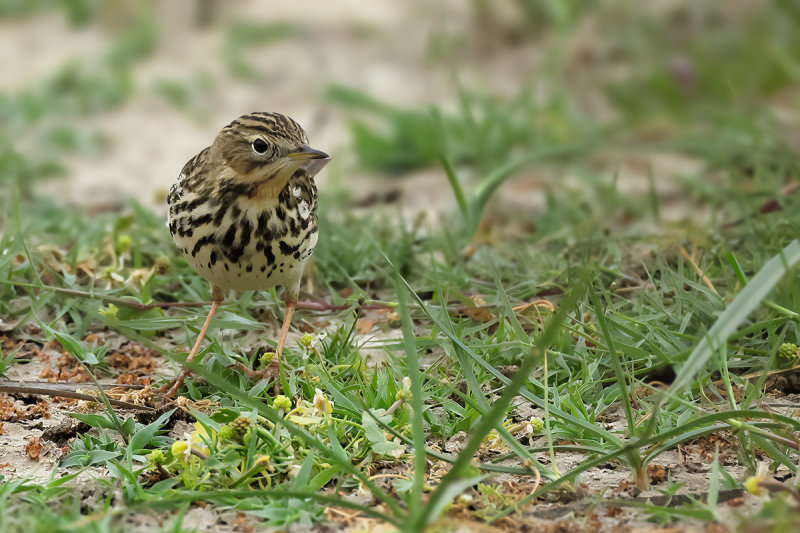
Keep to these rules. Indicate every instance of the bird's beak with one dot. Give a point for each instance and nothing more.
(312, 161)
(306, 152)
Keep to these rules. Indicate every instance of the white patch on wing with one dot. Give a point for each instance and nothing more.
(297, 191)
(303, 209)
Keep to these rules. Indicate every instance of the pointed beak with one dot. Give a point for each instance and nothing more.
(312, 161)
(306, 152)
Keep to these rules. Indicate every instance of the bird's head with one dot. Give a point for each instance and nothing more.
(266, 149)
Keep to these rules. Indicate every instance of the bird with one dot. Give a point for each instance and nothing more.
(243, 213)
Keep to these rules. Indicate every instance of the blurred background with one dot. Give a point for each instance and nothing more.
(665, 103)
(498, 152)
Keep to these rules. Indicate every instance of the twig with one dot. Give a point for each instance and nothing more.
(699, 270)
(67, 386)
(107, 299)
(394, 406)
(755, 375)
(198, 453)
(656, 500)
(59, 390)
(536, 484)
(312, 305)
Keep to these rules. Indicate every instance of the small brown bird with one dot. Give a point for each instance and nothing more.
(243, 212)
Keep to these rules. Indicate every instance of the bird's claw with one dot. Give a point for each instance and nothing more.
(270, 372)
(170, 389)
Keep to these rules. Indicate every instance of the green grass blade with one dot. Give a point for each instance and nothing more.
(745, 302)
(495, 415)
(622, 381)
(583, 424)
(417, 428)
(458, 190)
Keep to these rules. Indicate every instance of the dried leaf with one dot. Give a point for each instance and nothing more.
(478, 313)
(536, 304)
(363, 325)
(33, 448)
(48, 374)
(345, 292)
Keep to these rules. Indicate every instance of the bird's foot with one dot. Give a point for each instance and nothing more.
(270, 372)
(172, 387)
(275, 370)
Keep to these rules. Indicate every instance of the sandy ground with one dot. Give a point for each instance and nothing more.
(360, 44)
(690, 464)
(382, 48)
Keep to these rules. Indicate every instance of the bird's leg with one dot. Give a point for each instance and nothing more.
(274, 368)
(178, 381)
(291, 303)
(287, 320)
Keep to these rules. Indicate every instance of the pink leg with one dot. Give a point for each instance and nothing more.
(275, 365)
(178, 381)
(287, 320)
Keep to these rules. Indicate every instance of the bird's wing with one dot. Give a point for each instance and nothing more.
(194, 165)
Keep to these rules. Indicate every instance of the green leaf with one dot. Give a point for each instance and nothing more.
(336, 447)
(386, 447)
(301, 481)
(209, 422)
(129, 426)
(453, 489)
(164, 485)
(80, 458)
(88, 357)
(102, 456)
(417, 405)
(321, 479)
(379, 443)
(69, 343)
(458, 190)
(224, 416)
(97, 421)
(745, 302)
(143, 437)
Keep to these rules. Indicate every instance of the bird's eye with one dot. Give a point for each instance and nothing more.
(259, 146)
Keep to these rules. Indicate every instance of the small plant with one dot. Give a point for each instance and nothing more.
(6, 361)
(490, 140)
(787, 352)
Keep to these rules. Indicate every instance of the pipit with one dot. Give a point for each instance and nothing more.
(243, 213)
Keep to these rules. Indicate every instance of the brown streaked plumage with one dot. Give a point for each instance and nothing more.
(243, 211)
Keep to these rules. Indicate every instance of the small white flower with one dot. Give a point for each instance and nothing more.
(363, 492)
(322, 405)
(294, 470)
(188, 438)
(397, 452)
(465, 499)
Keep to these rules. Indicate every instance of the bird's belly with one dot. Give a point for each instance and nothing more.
(240, 277)
(246, 245)
(258, 267)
